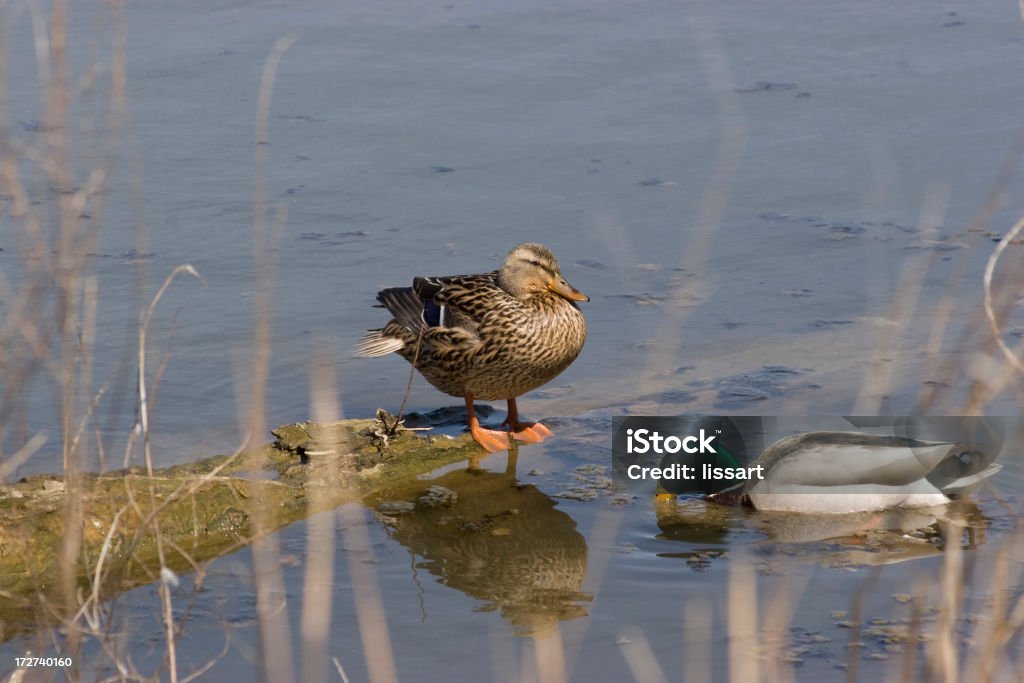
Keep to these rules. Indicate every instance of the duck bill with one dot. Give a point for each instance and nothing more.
(563, 288)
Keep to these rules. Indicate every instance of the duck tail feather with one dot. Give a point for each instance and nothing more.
(405, 305)
(376, 344)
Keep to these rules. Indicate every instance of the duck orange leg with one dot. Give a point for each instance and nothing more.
(490, 439)
(532, 432)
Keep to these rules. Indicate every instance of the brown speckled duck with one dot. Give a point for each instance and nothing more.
(491, 336)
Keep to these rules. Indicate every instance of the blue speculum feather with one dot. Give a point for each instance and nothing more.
(432, 314)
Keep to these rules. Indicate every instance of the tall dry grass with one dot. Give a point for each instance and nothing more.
(54, 178)
(53, 200)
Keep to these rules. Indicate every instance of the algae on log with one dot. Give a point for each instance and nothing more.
(202, 509)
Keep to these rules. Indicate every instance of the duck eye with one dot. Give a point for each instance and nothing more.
(535, 263)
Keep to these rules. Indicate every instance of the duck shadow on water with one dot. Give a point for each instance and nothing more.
(496, 540)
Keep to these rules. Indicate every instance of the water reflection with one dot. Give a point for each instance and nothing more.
(497, 540)
(856, 539)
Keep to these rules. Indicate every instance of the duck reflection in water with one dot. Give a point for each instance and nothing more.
(497, 540)
(868, 538)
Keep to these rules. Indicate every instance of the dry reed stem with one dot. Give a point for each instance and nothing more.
(54, 311)
(270, 590)
(997, 195)
(929, 391)
(601, 537)
(990, 267)
(992, 634)
(170, 630)
(318, 584)
(695, 242)
(340, 669)
(548, 657)
(742, 624)
(694, 251)
(13, 462)
(878, 378)
(370, 613)
(78, 292)
(640, 657)
(408, 386)
(775, 626)
(854, 643)
(698, 622)
(988, 384)
(943, 655)
(908, 661)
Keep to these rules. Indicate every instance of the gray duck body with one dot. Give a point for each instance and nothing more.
(844, 472)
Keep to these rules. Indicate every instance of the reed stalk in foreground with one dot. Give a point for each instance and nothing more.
(54, 207)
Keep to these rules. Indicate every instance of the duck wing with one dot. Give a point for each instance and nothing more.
(443, 312)
(431, 302)
(459, 300)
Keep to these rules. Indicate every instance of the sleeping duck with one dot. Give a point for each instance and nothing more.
(487, 337)
(843, 472)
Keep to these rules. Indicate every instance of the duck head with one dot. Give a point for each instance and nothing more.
(531, 269)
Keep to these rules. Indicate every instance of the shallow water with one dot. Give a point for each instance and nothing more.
(766, 203)
(518, 556)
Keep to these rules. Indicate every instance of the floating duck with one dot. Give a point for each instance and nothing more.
(487, 337)
(843, 472)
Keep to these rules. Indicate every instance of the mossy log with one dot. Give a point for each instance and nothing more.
(203, 510)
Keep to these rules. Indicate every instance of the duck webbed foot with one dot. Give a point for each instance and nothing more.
(530, 432)
(491, 440)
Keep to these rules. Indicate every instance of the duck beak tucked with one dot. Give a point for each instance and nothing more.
(563, 288)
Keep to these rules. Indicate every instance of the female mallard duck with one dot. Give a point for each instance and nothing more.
(841, 472)
(492, 336)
